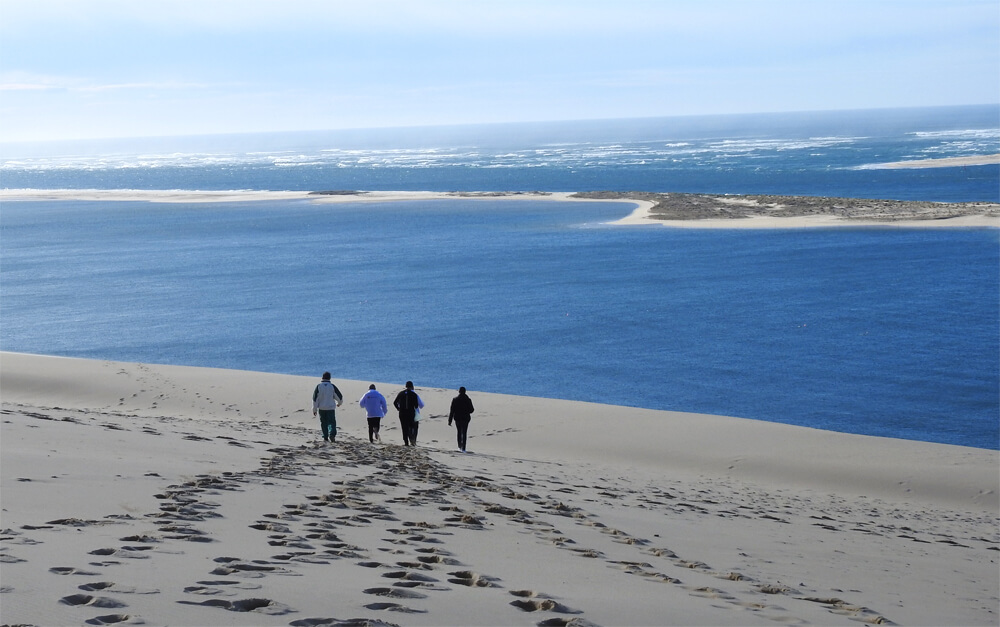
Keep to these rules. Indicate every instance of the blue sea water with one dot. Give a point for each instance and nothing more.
(892, 332)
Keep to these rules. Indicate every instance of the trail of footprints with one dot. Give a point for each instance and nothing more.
(410, 556)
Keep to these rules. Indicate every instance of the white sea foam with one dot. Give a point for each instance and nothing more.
(718, 151)
(977, 133)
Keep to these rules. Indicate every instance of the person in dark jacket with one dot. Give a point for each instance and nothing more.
(461, 413)
(408, 403)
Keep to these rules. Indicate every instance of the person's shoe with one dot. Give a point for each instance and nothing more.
(377, 437)
(326, 439)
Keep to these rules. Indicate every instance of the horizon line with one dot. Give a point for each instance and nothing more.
(470, 125)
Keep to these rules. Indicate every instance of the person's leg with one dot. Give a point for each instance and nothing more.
(328, 418)
(405, 428)
(378, 426)
(324, 423)
(413, 432)
(463, 433)
(371, 429)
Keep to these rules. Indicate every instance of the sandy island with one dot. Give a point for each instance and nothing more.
(946, 162)
(165, 495)
(666, 209)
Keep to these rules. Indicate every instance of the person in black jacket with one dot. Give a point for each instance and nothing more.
(461, 413)
(408, 403)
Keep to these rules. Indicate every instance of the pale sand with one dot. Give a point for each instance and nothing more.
(753, 213)
(200, 196)
(141, 494)
(947, 162)
(641, 216)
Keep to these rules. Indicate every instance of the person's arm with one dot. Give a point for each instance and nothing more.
(420, 401)
(451, 412)
(385, 408)
(340, 397)
(315, 396)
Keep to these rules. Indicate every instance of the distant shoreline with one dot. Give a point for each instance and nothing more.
(666, 209)
(947, 162)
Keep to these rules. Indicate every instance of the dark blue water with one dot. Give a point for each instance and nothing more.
(875, 331)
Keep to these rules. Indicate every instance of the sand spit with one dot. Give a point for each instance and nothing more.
(762, 211)
(209, 196)
(165, 495)
(947, 162)
(666, 209)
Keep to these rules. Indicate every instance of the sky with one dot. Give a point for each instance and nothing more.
(74, 69)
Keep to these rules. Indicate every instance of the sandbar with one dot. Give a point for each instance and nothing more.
(681, 210)
(946, 162)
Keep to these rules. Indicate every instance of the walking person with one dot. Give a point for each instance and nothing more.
(461, 413)
(326, 399)
(374, 405)
(408, 403)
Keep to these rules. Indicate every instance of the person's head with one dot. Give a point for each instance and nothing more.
(371, 387)
(326, 376)
(461, 390)
(409, 385)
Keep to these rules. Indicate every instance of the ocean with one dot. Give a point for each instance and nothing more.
(878, 331)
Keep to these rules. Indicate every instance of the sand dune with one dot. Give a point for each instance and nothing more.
(142, 494)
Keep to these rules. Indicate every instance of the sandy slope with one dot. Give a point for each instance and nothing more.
(141, 494)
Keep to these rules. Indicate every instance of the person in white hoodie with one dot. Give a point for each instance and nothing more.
(375, 407)
(326, 399)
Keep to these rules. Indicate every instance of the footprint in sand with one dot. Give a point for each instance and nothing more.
(473, 580)
(592, 553)
(110, 586)
(393, 607)
(237, 568)
(566, 622)
(438, 559)
(140, 538)
(711, 593)
(184, 532)
(242, 585)
(208, 591)
(398, 593)
(115, 619)
(336, 622)
(259, 606)
(130, 552)
(546, 605)
(92, 601)
(408, 576)
(69, 570)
